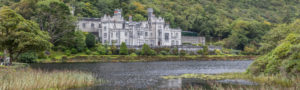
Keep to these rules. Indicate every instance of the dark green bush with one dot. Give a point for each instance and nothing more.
(27, 57)
(163, 52)
(68, 52)
(74, 51)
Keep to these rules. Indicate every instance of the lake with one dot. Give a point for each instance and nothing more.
(143, 75)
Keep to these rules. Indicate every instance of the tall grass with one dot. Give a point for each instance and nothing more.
(28, 79)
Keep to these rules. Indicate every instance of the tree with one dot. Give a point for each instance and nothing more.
(54, 17)
(101, 49)
(123, 49)
(146, 50)
(79, 41)
(18, 35)
(90, 40)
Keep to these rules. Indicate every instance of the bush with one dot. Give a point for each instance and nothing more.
(68, 52)
(153, 53)
(182, 52)
(90, 40)
(88, 52)
(109, 53)
(27, 57)
(174, 51)
(146, 50)
(123, 49)
(74, 51)
(133, 54)
(101, 50)
(163, 52)
(218, 52)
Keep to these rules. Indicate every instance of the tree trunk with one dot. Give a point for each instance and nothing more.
(10, 57)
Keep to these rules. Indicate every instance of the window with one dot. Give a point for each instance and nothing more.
(166, 36)
(177, 43)
(172, 42)
(99, 26)
(105, 28)
(150, 34)
(176, 34)
(83, 25)
(125, 33)
(146, 34)
(105, 35)
(105, 41)
(92, 25)
(112, 35)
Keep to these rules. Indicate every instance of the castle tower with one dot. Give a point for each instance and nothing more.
(150, 13)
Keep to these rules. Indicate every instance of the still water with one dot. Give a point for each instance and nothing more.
(142, 75)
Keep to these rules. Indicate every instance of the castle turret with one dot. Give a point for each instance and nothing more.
(150, 13)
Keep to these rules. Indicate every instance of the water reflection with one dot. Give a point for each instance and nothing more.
(139, 75)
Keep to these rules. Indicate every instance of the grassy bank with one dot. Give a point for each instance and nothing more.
(270, 81)
(128, 58)
(29, 79)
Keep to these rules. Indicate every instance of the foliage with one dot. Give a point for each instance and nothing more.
(114, 49)
(123, 49)
(54, 17)
(182, 52)
(88, 52)
(90, 40)
(79, 41)
(101, 49)
(74, 51)
(281, 60)
(133, 54)
(19, 35)
(163, 52)
(68, 52)
(27, 57)
(244, 33)
(218, 52)
(146, 50)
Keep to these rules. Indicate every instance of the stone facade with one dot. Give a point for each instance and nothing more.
(114, 29)
(193, 40)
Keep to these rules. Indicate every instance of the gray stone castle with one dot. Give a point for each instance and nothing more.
(115, 30)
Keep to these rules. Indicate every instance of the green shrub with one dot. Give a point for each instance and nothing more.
(27, 57)
(133, 54)
(153, 53)
(218, 52)
(74, 51)
(101, 49)
(88, 52)
(174, 51)
(68, 52)
(123, 49)
(200, 52)
(146, 50)
(163, 52)
(182, 52)
(109, 53)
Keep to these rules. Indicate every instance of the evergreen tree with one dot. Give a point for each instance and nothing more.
(146, 50)
(123, 49)
(90, 40)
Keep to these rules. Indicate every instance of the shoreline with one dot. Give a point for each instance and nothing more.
(126, 58)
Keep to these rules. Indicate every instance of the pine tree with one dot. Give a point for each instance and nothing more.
(123, 49)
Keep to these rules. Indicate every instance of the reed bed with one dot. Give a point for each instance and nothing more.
(29, 79)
